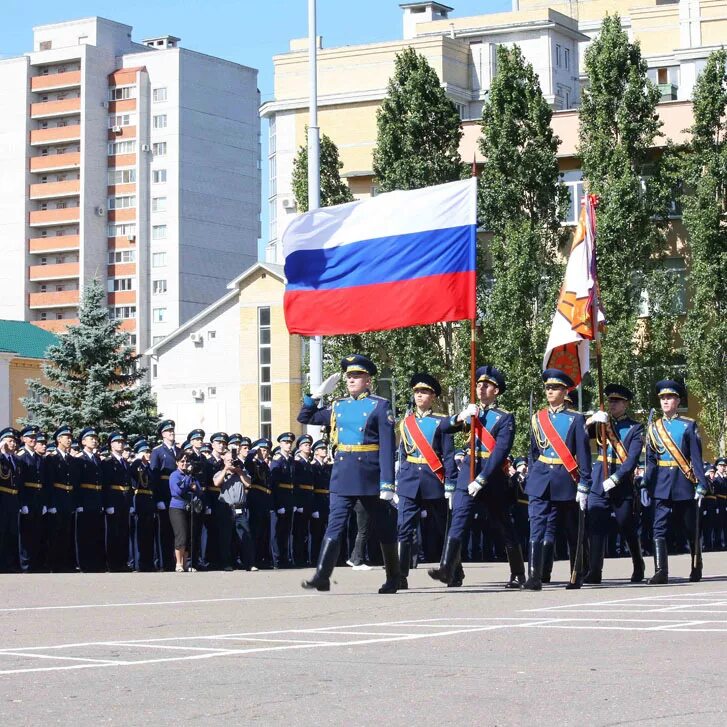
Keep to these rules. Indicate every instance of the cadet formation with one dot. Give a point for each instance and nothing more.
(69, 502)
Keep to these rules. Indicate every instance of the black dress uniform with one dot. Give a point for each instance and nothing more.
(520, 506)
(281, 476)
(362, 429)
(90, 525)
(260, 501)
(117, 501)
(720, 489)
(33, 503)
(216, 554)
(9, 503)
(163, 462)
(303, 491)
(321, 470)
(144, 510)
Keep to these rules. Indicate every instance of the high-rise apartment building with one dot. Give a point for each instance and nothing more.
(135, 163)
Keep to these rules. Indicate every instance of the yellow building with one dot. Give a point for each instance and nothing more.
(23, 349)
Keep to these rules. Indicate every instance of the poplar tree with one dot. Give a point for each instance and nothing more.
(94, 377)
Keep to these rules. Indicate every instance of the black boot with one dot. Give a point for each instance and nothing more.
(517, 567)
(391, 564)
(457, 574)
(661, 563)
(404, 564)
(595, 565)
(548, 558)
(535, 567)
(321, 581)
(639, 566)
(450, 557)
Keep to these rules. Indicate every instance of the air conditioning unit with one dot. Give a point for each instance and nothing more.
(131, 238)
(196, 337)
(145, 147)
(116, 129)
(197, 394)
(100, 211)
(288, 203)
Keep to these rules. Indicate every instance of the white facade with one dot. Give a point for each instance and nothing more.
(151, 157)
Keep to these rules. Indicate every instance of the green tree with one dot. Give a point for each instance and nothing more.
(520, 200)
(704, 209)
(618, 126)
(333, 189)
(93, 377)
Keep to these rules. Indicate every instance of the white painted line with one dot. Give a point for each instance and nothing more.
(62, 658)
(680, 625)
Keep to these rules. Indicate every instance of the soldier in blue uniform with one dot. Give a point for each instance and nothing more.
(260, 501)
(143, 508)
(90, 531)
(281, 476)
(321, 469)
(559, 471)
(625, 439)
(163, 462)
(33, 502)
(62, 472)
(117, 502)
(427, 471)
(674, 475)
(494, 436)
(10, 485)
(206, 545)
(303, 484)
(362, 430)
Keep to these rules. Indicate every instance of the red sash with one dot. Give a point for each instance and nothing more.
(558, 444)
(412, 428)
(482, 433)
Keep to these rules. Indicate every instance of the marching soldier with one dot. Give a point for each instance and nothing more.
(62, 473)
(33, 502)
(321, 469)
(674, 476)
(162, 463)
(427, 472)
(117, 501)
(362, 429)
(559, 471)
(281, 475)
(144, 508)
(494, 436)
(303, 484)
(10, 484)
(90, 507)
(260, 501)
(615, 494)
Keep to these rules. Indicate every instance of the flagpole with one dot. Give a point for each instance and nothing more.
(473, 351)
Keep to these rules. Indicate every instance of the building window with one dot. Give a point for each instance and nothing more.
(122, 312)
(211, 392)
(158, 259)
(159, 315)
(264, 365)
(122, 176)
(158, 287)
(121, 256)
(159, 121)
(119, 94)
(156, 339)
(122, 147)
(43, 316)
(121, 229)
(558, 55)
(574, 184)
(120, 203)
(566, 58)
(159, 232)
(154, 368)
(159, 176)
(159, 94)
(159, 149)
(674, 271)
(116, 285)
(121, 120)
(158, 204)
(211, 335)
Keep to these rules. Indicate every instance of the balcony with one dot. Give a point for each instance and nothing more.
(127, 214)
(48, 109)
(668, 91)
(57, 135)
(58, 299)
(42, 218)
(127, 104)
(56, 326)
(69, 188)
(127, 132)
(118, 270)
(122, 160)
(58, 243)
(56, 162)
(128, 325)
(59, 271)
(55, 81)
(123, 297)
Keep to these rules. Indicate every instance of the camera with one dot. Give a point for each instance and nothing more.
(195, 468)
(235, 459)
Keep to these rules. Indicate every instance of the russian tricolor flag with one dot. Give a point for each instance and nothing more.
(399, 259)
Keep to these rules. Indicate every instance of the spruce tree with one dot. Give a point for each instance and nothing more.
(333, 189)
(520, 200)
(93, 377)
(704, 209)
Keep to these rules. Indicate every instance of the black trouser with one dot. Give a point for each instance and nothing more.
(212, 552)
(259, 516)
(317, 529)
(90, 541)
(301, 540)
(243, 551)
(31, 530)
(165, 559)
(117, 541)
(226, 533)
(144, 541)
(9, 536)
(61, 543)
(283, 525)
(358, 554)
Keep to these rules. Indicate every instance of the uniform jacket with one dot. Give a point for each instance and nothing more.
(415, 476)
(281, 477)
(34, 492)
(303, 482)
(212, 491)
(631, 434)
(551, 480)
(62, 473)
(10, 482)
(90, 495)
(362, 430)
(322, 484)
(162, 464)
(117, 484)
(260, 494)
(144, 501)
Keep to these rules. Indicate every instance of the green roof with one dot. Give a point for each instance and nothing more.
(25, 339)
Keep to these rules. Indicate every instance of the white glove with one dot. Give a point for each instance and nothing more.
(609, 484)
(600, 417)
(24, 510)
(449, 496)
(326, 387)
(424, 514)
(109, 510)
(474, 487)
(280, 511)
(387, 495)
(52, 510)
(582, 500)
(315, 515)
(44, 510)
(396, 499)
(208, 511)
(79, 509)
(471, 410)
(645, 499)
(698, 497)
(132, 510)
(161, 506)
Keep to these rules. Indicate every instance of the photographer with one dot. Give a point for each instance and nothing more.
(185, 510)
(233, 526)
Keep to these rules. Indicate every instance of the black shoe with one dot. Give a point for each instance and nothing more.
(517, 568)
(593, 578)
(321, 581)
(457, 577)
(695, 575)
(661, 563)
(516, 582)
(390, 553)
(450, 557)
(637, 559)
(535, 566)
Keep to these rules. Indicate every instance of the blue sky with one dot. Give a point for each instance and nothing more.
(242, 31)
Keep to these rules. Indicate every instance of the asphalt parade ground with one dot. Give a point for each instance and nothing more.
(253, 648)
